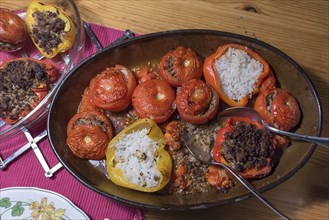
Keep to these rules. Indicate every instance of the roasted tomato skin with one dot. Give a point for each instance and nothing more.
(218, 156)
(212, 77)
(146, 72)
(90, 116)
(88, 142)
(269, 82)
(180, 65)
(12, 31)
(154, 99)
(218, 177)
(197, 102)
(182, 178)
(172, 136)
(88, 134)
(112, 89)
(278, 108)
(86, 104)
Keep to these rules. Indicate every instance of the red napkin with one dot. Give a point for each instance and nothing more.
(27, 171)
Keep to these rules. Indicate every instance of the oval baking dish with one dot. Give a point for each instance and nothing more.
(152, 47)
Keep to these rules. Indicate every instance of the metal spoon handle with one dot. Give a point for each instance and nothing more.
(252, 189)
(318, 140)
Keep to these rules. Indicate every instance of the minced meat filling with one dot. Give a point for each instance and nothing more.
(269, 100)
(170, 67)
(7, 46)
(247, 147)
(92, 121)
(47, 30)
(18, 79)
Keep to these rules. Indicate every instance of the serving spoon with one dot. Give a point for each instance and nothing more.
(204, 156)
(254, 115)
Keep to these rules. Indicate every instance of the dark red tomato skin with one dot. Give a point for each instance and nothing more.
(154, 99)
(86, 104)
(88, 134)
(88, 142)
(180, 65)
(89, 116)
(112, 89)
(278, 108)
(197, 102)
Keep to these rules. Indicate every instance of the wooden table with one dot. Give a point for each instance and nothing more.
(299, 28)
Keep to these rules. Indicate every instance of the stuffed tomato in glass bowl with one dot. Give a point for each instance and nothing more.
(40, 42)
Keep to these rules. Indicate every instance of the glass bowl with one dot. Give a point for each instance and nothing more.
(63, 62)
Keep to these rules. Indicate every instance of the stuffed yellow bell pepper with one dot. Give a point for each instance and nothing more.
(51, 30)
(136, 157)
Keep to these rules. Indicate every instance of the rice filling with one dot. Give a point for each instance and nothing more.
(136, 156)
(238, 73)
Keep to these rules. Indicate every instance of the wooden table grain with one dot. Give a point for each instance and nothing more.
(299, 28)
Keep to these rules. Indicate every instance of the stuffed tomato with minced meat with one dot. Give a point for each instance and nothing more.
(12, 31)
(278, 108)
(136, 158)
(180, 65)
(236, 72)
(197, 102)
(88, 134)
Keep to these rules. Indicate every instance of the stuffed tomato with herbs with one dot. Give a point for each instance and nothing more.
(136, 157)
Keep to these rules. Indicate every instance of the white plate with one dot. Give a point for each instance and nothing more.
(29, 202)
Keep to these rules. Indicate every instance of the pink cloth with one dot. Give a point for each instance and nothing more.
(27, 171)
